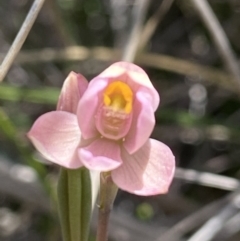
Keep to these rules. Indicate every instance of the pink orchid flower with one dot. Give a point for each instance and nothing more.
(105, 126)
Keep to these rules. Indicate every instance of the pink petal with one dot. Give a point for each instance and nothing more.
(147, 172)
(142, 124)
(56, 135)
(101, 155)
(87, 108)
(134, 74)
(114, 70)
(152, 95)
(73, 88)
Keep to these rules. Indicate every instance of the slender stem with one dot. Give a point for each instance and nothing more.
(159, 61)
(103, 219)
(153, 22)
(219, 37)
(208, 231)
(196, 219)
(139, 13)
(207, 179)
(20, 38)
(230, 228)
(108, 191)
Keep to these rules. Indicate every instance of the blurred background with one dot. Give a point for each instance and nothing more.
(189, 50)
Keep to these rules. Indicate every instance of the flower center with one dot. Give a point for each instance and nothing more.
(119, 96)
(115, 114)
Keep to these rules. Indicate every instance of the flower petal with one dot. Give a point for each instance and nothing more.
(113, 71)
(135, 74)
(87, 108)
(147, 172)
(73, 88)
(142, 124)
(56, 135)
(101, 155)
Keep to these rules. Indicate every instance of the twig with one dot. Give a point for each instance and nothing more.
(153, 22)
(119, 13)
(159, 61)
(194, 220)
(20, 38)
(219, 37)
(188, 68)
(138, 16)
(208, 179)
(215, 224)
(231, 227)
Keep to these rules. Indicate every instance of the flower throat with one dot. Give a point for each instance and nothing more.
(116, 111)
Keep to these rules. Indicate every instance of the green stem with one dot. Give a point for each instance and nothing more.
(86, 204)
(108, 192)
(63, 202)
(74, 203)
